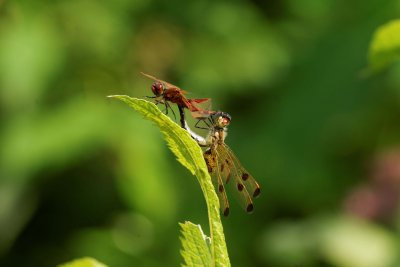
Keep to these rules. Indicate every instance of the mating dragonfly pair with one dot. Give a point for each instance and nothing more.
(221, 162)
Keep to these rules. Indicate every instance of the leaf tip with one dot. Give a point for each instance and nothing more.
(116, 96)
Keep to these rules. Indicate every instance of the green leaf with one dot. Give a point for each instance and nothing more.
(385, 46)
(189, 154)
(196, 245)
(84, 262)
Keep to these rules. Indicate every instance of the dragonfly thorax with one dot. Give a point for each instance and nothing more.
(216, 137)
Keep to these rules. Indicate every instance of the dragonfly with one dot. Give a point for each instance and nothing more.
(166, 93)
(224, 166)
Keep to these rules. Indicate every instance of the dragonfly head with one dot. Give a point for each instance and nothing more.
(221, 119)
(157, 88)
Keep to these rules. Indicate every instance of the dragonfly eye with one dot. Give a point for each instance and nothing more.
(157, 88)
(221, 119)
(224, 121)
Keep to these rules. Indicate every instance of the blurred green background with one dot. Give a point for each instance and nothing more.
(83, 175)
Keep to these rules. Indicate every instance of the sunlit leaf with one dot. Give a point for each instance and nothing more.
(385, 46)
(195, 246)
(189, 154)
(84, 262)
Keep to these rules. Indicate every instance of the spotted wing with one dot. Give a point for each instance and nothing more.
(214, 168)
(242, 181)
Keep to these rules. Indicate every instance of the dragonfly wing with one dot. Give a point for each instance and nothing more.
(252, 186)
(213, 168)
(186, 102)
(201, 107)
(167, 84)
(200, 100)
(242, 183)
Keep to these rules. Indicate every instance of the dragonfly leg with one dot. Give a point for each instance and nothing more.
(182, 117)
(169, 106)
(166, 108)
(199, 127)
(158, 101)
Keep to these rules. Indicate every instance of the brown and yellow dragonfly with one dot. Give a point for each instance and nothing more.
(223, 165)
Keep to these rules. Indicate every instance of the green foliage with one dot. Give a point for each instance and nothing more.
(319, 140)
(343, 240)
(189, 154)
(385, 46)
(196, 245)
(84, 262)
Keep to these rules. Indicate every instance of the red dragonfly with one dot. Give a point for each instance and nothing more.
(165, 92)
(222, 164)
